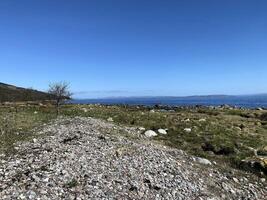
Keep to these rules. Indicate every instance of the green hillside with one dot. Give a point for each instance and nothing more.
(10, 93)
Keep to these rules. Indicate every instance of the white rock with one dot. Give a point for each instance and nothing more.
(34, 140)
(262, 180)
(150, 133)
(46, 180)
(188, 130)
(110, 119)
(85, 110)
(35, 112)
(152, 111)
(235, 180)
(141, 129)
(203, 161)
(31, 194)
(162, 131)
(202, 120)
(186, 120)
(22, 196)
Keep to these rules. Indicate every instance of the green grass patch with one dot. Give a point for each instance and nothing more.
(16, 124)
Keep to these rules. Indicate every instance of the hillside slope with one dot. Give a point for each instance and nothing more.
(13, 93)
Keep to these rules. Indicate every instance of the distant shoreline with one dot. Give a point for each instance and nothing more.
(244, 101)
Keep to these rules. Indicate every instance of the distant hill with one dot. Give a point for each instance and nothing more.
(9, 93)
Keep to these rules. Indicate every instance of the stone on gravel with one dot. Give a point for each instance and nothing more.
(188, 130)
(141, 129)
(150, 133)
(162, 131)
(203, 161)
(110, 119)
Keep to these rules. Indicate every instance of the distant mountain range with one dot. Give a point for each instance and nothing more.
(9, 93)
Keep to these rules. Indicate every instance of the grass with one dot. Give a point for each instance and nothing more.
(223, 135)
(71, 184)
(226, 136)
(16, 124)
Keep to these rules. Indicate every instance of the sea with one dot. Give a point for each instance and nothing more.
(242, 101)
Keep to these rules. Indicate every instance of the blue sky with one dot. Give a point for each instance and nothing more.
(135, 47)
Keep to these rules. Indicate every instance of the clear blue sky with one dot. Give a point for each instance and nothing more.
(135, 47)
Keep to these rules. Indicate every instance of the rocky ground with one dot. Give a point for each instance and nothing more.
(86, 158)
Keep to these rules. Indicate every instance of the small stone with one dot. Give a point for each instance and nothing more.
(203, 161)
(235, 180)
(46, 180)
(258, 123)
(150, 133)
(22, 196)
(85, 110)
(262, 180)
(110, 119)
(2, 155)
(31, 194)
(188, 130)
(162, 131)
(141, 129)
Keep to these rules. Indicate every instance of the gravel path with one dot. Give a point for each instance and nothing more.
(85, 158)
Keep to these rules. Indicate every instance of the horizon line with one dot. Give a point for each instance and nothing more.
(171, 96)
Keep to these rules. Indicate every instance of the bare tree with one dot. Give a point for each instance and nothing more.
(60, 92)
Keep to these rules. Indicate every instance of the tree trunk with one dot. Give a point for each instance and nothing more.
(57, 105)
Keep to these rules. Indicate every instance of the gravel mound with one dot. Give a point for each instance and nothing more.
(86, 158)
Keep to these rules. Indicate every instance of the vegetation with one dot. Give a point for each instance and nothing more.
(10, 93)
(16, 124)
(60, 91)
(72, 183)
(226, 136)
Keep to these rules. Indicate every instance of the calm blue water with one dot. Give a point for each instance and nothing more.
(249, 101)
